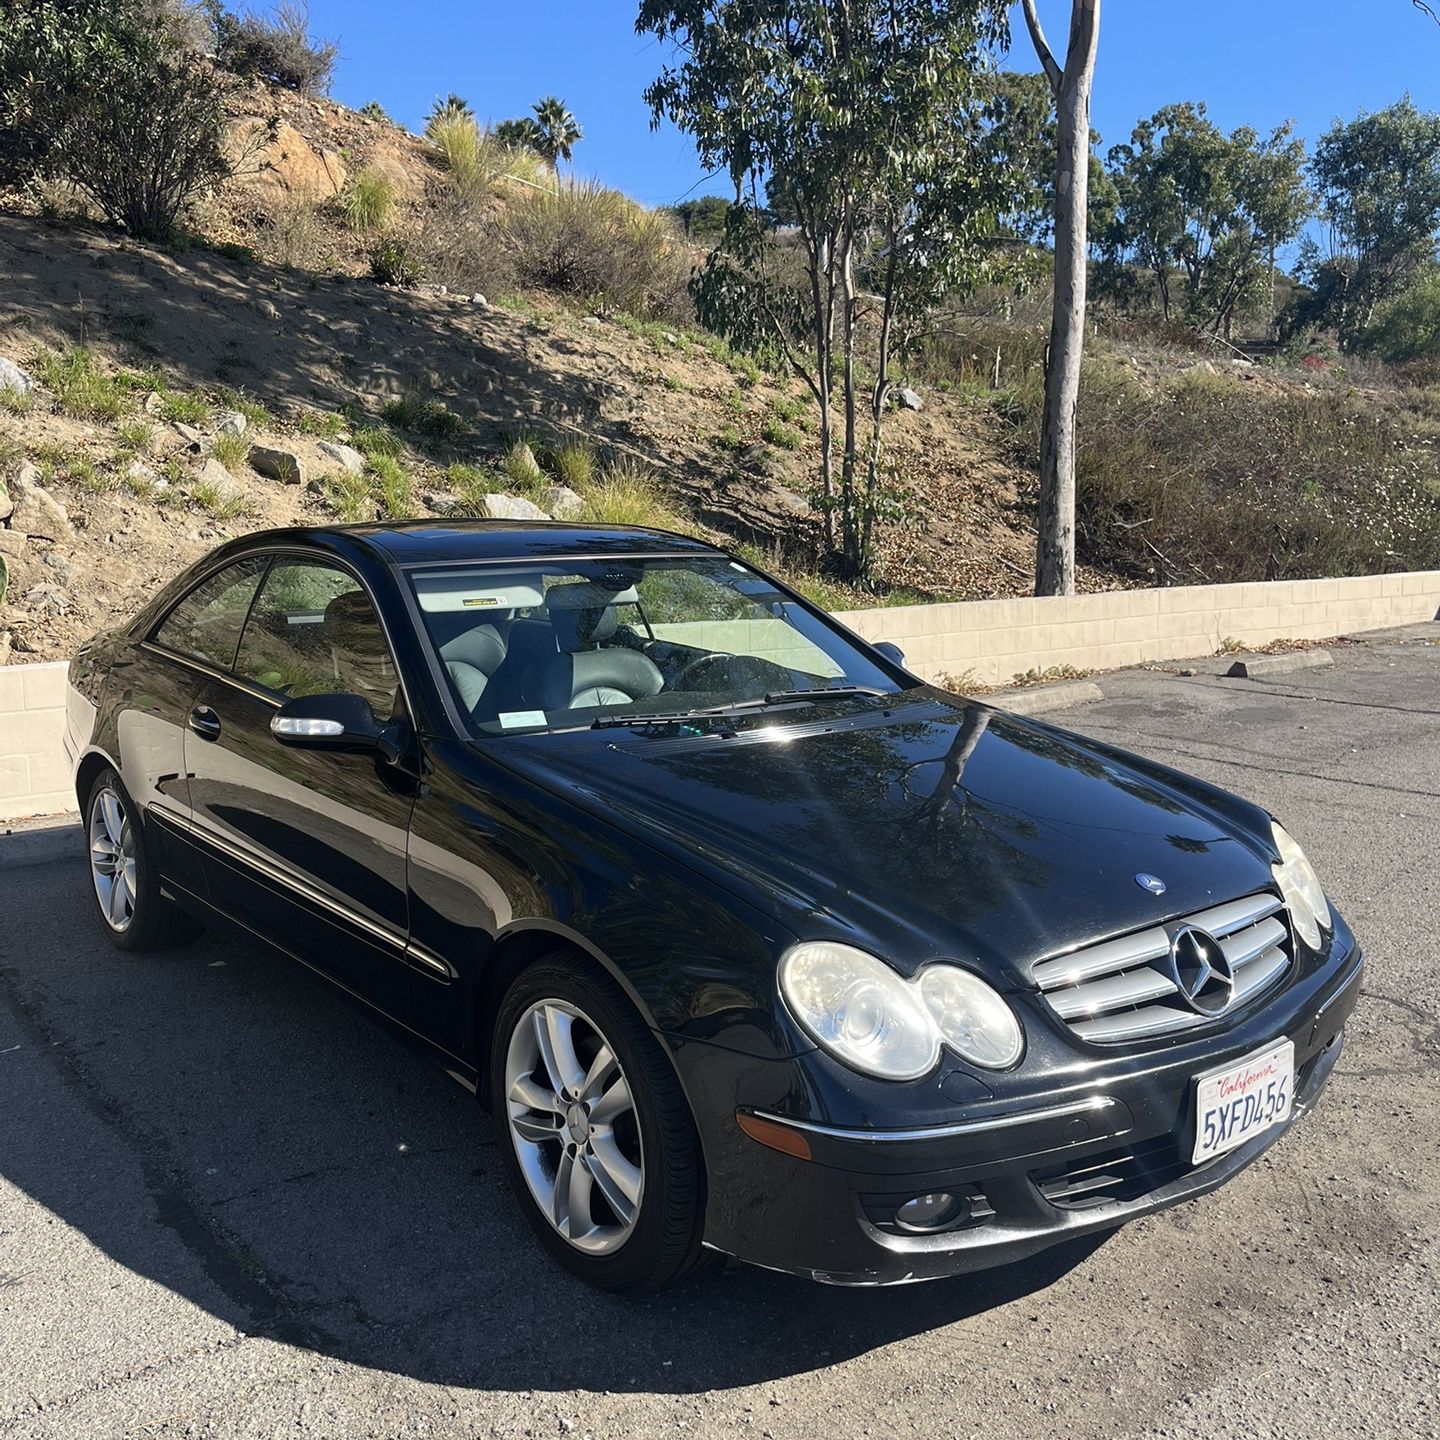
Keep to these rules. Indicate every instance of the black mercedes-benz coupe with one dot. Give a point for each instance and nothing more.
(751, 941)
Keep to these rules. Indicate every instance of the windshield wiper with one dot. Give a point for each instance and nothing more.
(714, 712)
(825, 692)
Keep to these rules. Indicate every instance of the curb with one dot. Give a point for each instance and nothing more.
(1045, 698)
(1253, 667)
(41, 842)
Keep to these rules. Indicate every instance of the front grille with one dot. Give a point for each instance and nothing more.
(1117, 1175)
(1120, 990)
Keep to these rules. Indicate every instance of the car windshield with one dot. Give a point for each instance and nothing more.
(561, 644)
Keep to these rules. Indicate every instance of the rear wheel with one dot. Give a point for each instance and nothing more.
(124, 878)
(599, 1141)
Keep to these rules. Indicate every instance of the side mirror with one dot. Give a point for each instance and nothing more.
(334, 722)
(891, 652)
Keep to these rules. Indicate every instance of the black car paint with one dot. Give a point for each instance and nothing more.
(918, 827)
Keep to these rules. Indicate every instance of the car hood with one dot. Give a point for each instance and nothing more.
(929, 827)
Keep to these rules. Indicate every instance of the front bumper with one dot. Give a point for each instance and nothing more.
(1087, 1161)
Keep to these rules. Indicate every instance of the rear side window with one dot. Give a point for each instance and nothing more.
(207, 622)
(313, 631)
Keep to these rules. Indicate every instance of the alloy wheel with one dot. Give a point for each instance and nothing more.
(574, 1127)
(112, 859)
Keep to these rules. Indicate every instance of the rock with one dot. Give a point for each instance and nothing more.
(283, 465)
(909, 400)
(480, 301)
(138, 473)
(60, 565)
(286, 165)
(441, 503)
(36, 511)
(592, 322)
(512, 507)
(186, 432)
(153, 402)
(230, 422)
(669, 337)
(12, 377)
(46, 596)
(4, 634)
(265, 307)
(563, 503)
(345, 456)
(7, 505)
(13, 543)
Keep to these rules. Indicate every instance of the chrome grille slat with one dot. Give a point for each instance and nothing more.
(1121, 990)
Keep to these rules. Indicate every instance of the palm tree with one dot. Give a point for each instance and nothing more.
(559, 130)
(452, 107)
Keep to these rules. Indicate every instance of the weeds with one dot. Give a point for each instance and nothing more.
(521, 468)
(392, 487)
(374, 440)
(432, 419)
(80, 389)
(470, 485)
(773, 432)
(229, 450)
(626, 494)
(217, 499)
(349, 496)
(188, 409)
(255, 412)
(136, 437)
(391, 263)
(320, 423)
(368, 202)
(16, 402)
(574, 464)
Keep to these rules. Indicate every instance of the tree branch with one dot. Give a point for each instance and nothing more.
(1048, 63)
(1428, 9)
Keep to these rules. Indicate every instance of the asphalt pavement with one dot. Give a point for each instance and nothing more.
(232, 1207)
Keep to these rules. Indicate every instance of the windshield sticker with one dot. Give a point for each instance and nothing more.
(521, 719)
(486, 602)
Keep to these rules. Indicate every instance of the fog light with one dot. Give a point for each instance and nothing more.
(926, 1213)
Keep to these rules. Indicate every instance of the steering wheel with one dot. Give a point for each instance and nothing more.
(685, 676)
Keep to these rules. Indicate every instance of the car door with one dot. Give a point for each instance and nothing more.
(307, 847)
(197, 638)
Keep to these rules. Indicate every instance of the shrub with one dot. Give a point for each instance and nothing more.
(374, 110)
(80, 389)
(188, 409)
(776, 433)
(137, 127)
(431, 418)
(368, 202)
(279, 50)
(454, 244)
(626, 494)
(1408, 328)
(391, 263)
(573, 464)
(597, 246)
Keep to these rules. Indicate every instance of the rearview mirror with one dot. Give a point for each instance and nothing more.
(890, 651)
(334, 722)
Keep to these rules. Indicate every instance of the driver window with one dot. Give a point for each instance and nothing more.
(313, 631)
(689, 608)
(206, 624)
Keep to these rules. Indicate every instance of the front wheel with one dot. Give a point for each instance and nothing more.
(599, 1144)
(124, 878)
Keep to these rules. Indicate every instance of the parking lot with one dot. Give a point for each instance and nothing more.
(230, 1206)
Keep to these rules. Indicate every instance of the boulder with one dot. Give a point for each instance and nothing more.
(153, 402)
(282, 465)
(187, 433)
(138, 473)
(4, 591)
(909, 399)
(345, 456)
(512, 507)
(563, 503)
(37, 512)
(12, 377)
(285, 165)
(480, 302)
(7, 505)
(439, 502)
(46, 596)
(230, 422)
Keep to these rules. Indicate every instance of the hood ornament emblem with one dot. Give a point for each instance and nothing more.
(1153, 883)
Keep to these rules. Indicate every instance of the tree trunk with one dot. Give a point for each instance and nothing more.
(1055, 548)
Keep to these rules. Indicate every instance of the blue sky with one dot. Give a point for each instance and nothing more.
(1257, 62)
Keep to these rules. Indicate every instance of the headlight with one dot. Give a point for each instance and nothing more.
(1300, 886)
(881, 1024)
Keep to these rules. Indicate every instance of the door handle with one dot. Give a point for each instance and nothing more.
(205, 722)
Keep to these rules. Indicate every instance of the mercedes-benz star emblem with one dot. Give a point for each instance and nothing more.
(1153, 883)
(1200, 971)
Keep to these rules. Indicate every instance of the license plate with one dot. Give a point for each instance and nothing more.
(1242, 1101)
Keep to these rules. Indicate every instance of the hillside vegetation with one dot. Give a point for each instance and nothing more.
(361, 323)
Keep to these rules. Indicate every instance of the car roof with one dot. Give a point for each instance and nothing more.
(422, 542)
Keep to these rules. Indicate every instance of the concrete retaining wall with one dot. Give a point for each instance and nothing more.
(990, 642)
(985, 642)
(34, 773)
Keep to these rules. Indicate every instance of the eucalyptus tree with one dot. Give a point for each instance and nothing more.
(861, 122)
(1071, 83)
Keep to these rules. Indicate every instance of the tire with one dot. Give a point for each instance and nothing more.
(124, 879)
(593, 1157)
